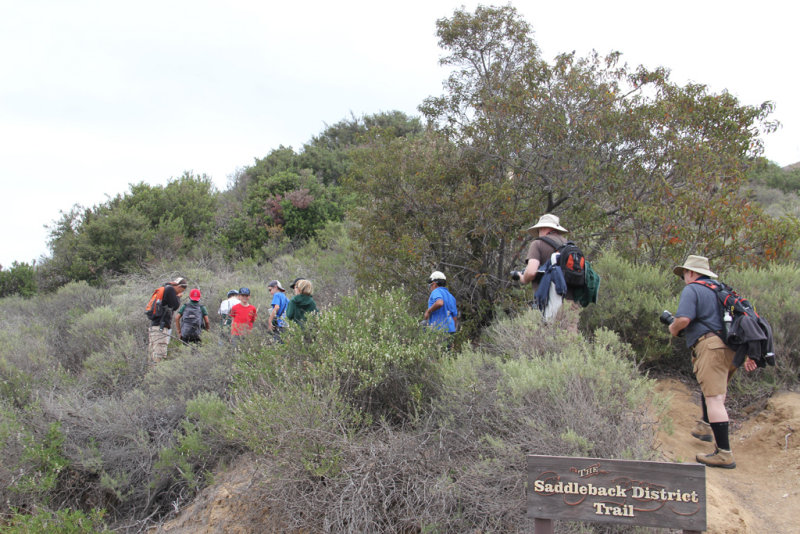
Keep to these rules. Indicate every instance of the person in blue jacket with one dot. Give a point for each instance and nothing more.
(441, 312)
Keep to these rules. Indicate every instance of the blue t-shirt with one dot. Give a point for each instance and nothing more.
(280, 299)
(701, 306)
(443, 316)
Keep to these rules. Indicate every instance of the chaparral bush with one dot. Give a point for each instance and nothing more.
(775, 293)
(459, 464)
(632, 297)
(370, 345)
(630, 300)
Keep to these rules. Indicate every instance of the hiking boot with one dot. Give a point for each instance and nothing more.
(718, 458)
(702, 431)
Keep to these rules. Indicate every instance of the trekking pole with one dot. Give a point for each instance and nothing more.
(170, 334)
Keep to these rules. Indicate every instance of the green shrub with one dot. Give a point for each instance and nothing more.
(20, 279)
(199, 443)
(16, 386)
(370, 345)
(64, 521)
(460, 465)
(630, 300)
(42, 461)
(116, 368)
(303, 427)
(91, 332)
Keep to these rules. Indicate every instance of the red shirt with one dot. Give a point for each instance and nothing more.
(243, 319)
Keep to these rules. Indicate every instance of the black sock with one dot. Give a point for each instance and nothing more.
(705, 408)
(720, 431)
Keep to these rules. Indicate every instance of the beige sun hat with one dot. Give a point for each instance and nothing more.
(698, 264)
(548, 220)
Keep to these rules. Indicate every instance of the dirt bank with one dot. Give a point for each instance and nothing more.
(762, 495)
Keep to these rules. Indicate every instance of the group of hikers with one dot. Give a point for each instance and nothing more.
(237, 316)
(558, 272)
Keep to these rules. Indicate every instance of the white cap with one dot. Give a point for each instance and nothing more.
(436, 275)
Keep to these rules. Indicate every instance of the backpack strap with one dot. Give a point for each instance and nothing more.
(715, 287)
(550, 242)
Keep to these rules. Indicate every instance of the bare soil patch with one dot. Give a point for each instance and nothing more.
(762, 495)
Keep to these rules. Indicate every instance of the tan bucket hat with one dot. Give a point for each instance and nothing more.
(698, 264)
(548, 220)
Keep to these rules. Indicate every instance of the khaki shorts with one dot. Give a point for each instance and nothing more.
(712, 364)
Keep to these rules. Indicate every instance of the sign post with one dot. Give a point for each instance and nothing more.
(655, 494)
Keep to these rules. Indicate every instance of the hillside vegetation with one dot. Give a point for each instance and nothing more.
(363, 420)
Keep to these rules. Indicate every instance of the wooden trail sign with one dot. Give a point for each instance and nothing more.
(655, 494)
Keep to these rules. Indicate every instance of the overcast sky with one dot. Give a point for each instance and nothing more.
(95, 95)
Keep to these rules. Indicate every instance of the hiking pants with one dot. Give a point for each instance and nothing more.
(159, 339)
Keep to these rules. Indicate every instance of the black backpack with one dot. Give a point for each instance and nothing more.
(191, 321)
(571, 261)
(745, 331)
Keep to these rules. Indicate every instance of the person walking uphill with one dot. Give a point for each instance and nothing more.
(277, 312)
(441, 312)
(164, 302)
(225, 306)
(244, 315)
(699, 317)
(302, 303)
(548, 238)
(192, 318)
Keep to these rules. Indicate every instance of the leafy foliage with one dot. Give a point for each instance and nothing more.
(459, 465)
(382, 362)
(121, 235)
(20, 279)
(63, 521)
(594, 141)
(328, 154)
(291, 196)
(296, 205)
(633, 296)
(771, 175)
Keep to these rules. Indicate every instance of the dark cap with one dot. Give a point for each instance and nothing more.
(244, 291)
(295, 282)
(277, 284)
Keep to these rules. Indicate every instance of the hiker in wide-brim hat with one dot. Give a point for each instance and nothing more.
(698, 264)
(699, 320)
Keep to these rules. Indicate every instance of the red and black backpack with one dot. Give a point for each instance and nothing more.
(571, 261)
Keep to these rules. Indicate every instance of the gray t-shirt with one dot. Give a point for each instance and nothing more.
(701, 306)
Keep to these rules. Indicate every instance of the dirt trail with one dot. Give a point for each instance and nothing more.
(762, 495)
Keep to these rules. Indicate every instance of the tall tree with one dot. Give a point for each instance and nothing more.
(626, 157)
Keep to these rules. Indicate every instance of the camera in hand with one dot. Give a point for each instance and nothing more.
(515, 275)
(666, 317)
